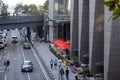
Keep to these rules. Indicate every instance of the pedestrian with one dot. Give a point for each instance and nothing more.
(64, 62)
(62, 73)
(6, 64)
(59, 63)
(55, 63)
(76, 76)
(67, 73)
(51, 63)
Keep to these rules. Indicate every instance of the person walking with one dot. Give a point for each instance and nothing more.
(67, 73)
(51, 63)
(64, 62)
(55, 63)
(59, 63)
(76, 76)
(62, 73)
(6, 64)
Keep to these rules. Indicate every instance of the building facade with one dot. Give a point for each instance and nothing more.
(95, 37)
(59, 27)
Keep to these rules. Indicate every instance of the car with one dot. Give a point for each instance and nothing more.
(26, 45)
(14, 39)
(27, 66)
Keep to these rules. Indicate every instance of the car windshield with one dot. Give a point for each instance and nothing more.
(26, 44)
(14, 37)
(27, 63)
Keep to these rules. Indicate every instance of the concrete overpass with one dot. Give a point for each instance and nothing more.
(11, 22)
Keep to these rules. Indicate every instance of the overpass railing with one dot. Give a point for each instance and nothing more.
(20, 19)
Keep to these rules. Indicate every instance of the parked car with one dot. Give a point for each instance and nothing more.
(27, 66)
(26, 45)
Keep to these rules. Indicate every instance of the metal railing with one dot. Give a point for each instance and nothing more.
(20, 19)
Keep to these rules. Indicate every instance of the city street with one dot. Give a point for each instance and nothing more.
(16, 54)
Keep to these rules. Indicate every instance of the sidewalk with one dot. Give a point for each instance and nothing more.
(43, 51)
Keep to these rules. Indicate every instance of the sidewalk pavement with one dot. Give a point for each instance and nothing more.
(46, 54)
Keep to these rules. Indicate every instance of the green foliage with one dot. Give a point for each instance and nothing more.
(86, 70)
(55, 53)
(114, 5)
(45, 6)
(3, 9)
(52, 50)
(59, 56)
(31, 9)
(68, 56)
(75, 62)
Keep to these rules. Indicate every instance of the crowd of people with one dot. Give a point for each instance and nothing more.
(61, 64)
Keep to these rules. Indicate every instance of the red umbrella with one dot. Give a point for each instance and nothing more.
(67, 42)
(58, 42)
(64, 46)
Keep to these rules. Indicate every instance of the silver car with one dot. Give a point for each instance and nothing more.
(27, 66)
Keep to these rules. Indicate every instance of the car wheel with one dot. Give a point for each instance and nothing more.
(21, 70)
(31, 70)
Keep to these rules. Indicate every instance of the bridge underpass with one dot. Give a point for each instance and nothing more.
(30, 22)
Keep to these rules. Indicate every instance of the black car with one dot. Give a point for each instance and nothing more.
(27, 66)
(26, 45)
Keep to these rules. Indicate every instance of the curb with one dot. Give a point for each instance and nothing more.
(48, 71)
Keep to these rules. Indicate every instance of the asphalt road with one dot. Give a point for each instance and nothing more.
(16, 54)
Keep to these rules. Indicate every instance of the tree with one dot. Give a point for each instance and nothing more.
(18, 8)
(3, 9)
(45, 6)
(27, 9)
(114, 5)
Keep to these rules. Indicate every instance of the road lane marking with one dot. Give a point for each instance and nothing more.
(40, 64)
(5, 77)
(28, 76)
(23, 53)
(1, 56)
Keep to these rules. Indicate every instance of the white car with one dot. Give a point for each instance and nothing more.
(27, 66)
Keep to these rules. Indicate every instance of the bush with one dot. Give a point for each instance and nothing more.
(86, 70)
(52, 50)
(55, 53)
(59, 56)
(75, 62)
(68, 56)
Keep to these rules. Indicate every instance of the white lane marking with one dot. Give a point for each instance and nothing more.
(5, 77)
(23, 53)
(28, 76)
(40, 64)
(24, 59)
(1, 56)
